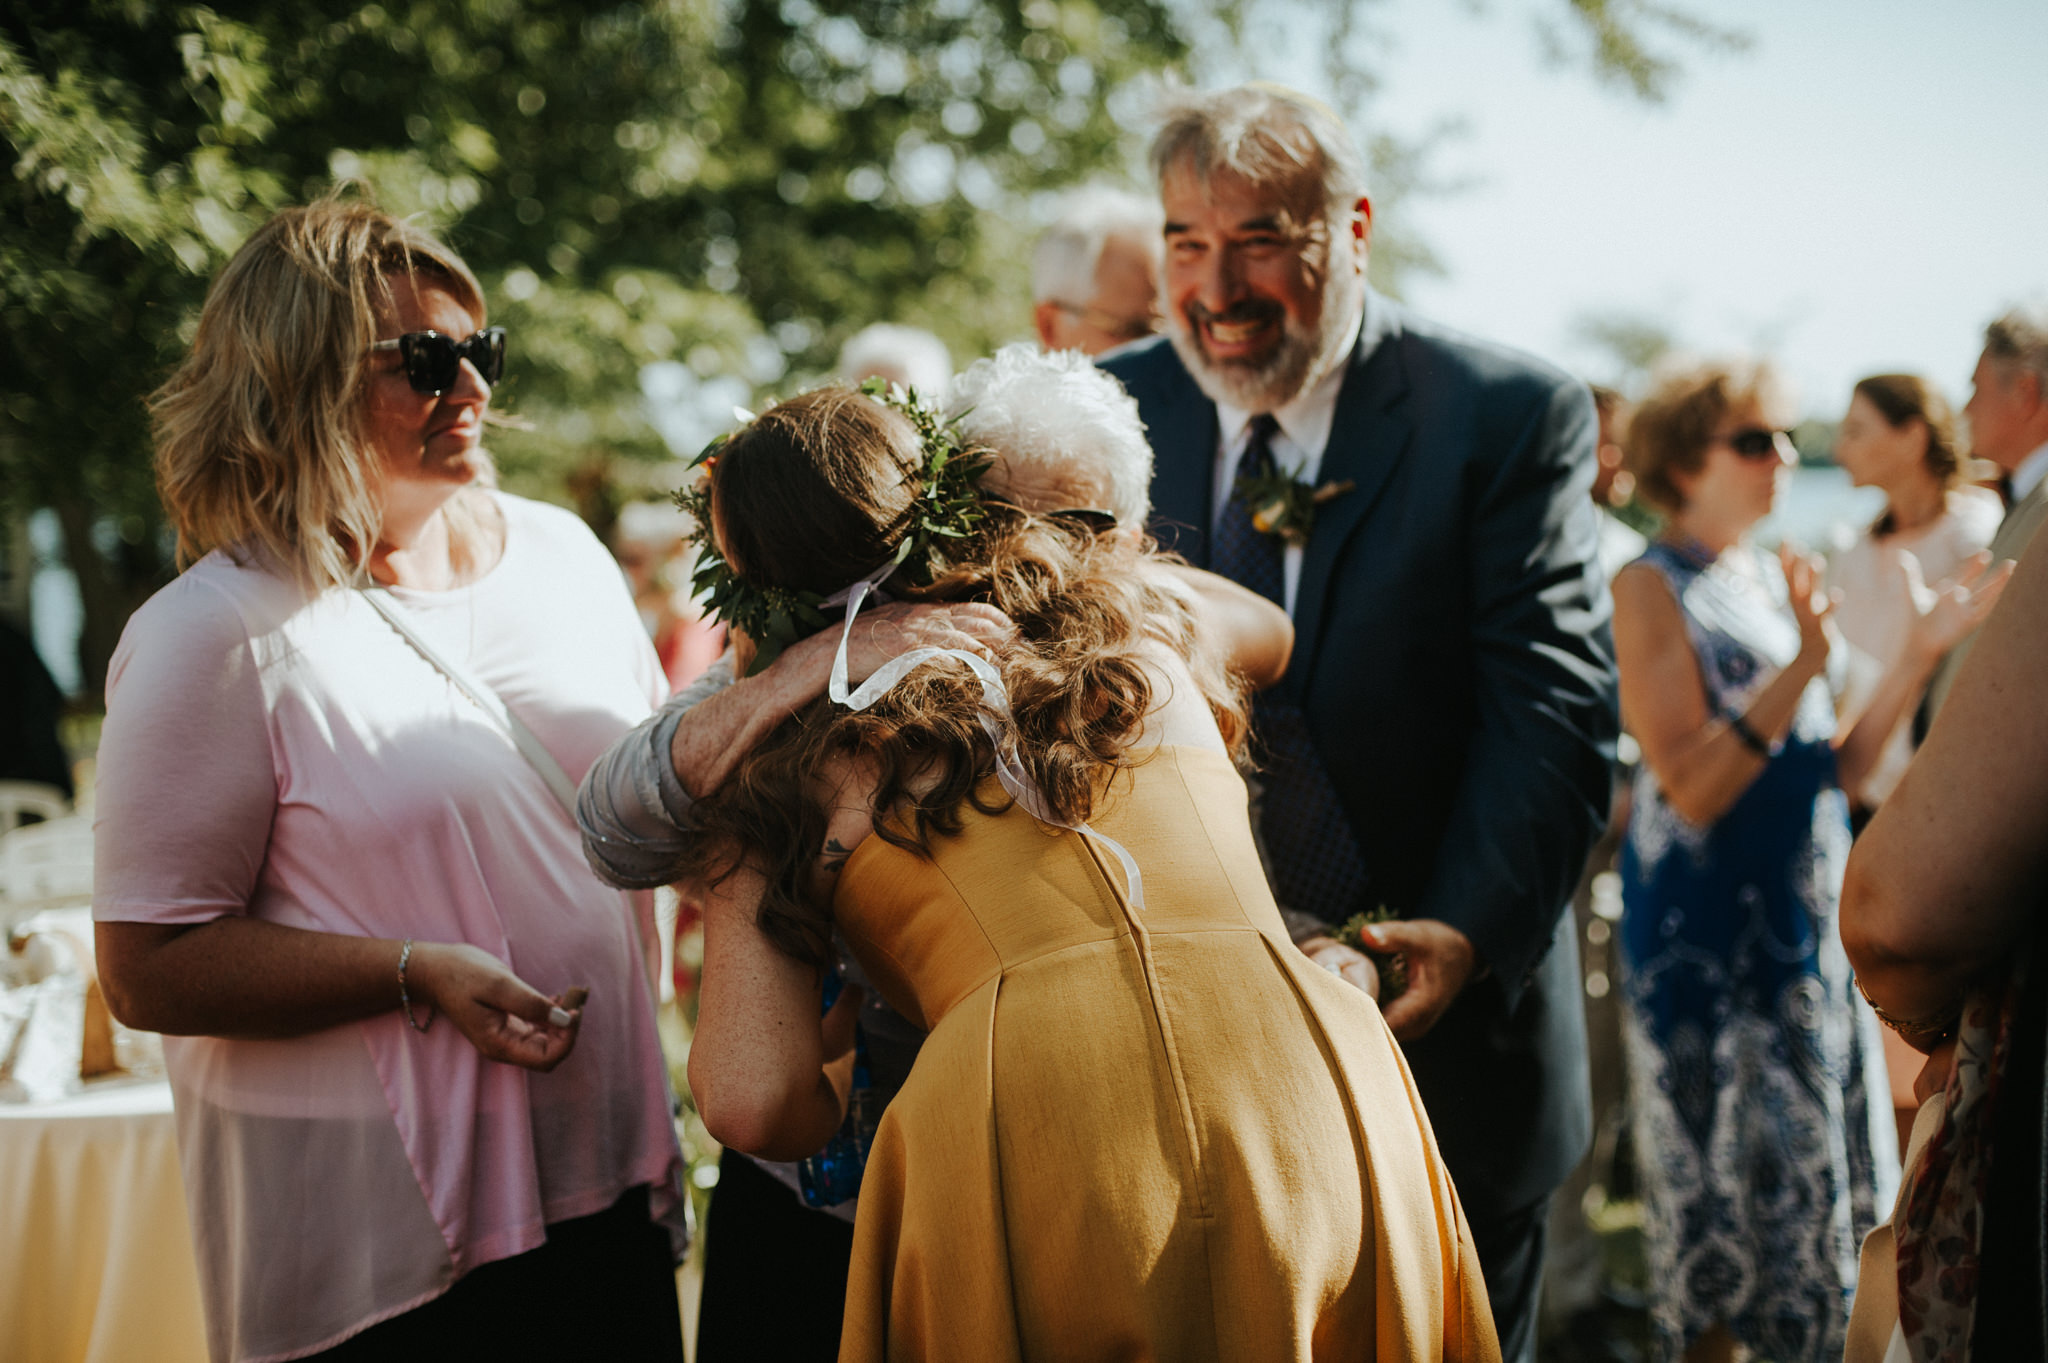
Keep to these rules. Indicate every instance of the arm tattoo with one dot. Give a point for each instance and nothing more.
(833, 858)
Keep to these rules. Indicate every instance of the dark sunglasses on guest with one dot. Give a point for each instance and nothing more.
(1755, 442)
(432, 360)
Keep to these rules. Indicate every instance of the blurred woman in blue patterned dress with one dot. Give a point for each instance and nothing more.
(1763, 1136)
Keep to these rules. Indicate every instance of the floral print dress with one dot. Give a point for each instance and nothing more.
(1752, 1062)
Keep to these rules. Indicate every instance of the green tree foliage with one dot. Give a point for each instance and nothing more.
(735, 186)
(729, 186)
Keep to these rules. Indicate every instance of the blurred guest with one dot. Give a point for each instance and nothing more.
(1764, 1145)
(650, 545)
(910, 356)
(332, 792)
(1941, 914)
(1898, 435)
(2008, 417)
(30, 705)
(1620, 543)
(1095, 272)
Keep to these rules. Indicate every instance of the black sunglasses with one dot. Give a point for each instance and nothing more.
(432, 360)
(1755, 442)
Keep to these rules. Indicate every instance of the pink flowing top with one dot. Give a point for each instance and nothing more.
(292, 758)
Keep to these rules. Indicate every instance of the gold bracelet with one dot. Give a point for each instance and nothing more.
(1937, 1025)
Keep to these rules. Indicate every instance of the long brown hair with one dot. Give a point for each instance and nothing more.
(817, 493)
(1900, 398)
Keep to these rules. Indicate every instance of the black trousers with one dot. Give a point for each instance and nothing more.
(774, 1272)
(1511, 1250)
(603, 1286)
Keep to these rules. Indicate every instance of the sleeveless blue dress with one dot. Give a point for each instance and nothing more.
(1763, 1134)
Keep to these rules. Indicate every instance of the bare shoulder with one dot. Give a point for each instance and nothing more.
(1643, 595)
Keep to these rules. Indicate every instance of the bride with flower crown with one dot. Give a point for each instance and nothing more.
(1143, 1125)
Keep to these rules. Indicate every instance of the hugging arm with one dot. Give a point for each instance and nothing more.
(1248, 634)
(769, 1078)
(635, 802)
(1948, 879)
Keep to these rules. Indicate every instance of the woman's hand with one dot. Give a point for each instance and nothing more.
(1811, 606)
(1352, 966)
(1957, 606)
(504, 1017)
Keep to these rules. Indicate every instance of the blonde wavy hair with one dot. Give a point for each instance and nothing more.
(260, 442)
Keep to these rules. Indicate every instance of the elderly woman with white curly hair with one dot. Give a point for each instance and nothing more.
(1065, 438)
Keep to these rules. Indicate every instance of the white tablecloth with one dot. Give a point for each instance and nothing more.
(95, 1249)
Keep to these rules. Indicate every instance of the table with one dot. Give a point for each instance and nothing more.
(95, 1249)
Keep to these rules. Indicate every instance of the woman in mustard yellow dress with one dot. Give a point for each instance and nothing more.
(1143, 1125)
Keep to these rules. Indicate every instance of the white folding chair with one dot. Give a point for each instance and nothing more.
(30, 797)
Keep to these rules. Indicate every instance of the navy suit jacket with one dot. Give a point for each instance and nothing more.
(1453, 660)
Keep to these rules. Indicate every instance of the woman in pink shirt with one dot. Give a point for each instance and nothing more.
(422, 1110)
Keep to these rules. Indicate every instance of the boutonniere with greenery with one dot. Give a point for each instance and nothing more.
(948, 509)
(1392, 965)
(1284, 506)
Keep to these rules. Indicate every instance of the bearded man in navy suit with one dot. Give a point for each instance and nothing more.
(1418, 501)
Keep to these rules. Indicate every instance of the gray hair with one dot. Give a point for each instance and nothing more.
(1064, 261)
(1269, 134)
(2019, 339)
(910, 356)
(1062, 419)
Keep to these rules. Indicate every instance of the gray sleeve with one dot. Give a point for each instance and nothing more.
(632, 807)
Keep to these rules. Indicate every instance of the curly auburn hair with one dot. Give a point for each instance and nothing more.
(811, 496)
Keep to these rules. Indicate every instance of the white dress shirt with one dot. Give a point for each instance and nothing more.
(1297, 450)
(2029, 474)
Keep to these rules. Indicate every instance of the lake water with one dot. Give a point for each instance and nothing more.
(1820, 510)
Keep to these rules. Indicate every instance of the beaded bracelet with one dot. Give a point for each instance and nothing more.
(1751, 739)
(1938, 1026)
(405, 998)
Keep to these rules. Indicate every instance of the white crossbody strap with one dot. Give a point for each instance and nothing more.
(487, 700)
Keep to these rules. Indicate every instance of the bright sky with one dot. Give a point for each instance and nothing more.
(1860, 191)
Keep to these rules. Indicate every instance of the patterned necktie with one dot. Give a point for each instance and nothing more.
(1317, 867)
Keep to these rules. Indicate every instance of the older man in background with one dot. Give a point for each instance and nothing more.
(2008, 416)
(911, 356)
(1095, 272)
(1441, 743)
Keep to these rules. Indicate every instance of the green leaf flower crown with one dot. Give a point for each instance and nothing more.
(948, 508)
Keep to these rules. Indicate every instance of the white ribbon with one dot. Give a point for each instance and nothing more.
(1009, 770)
